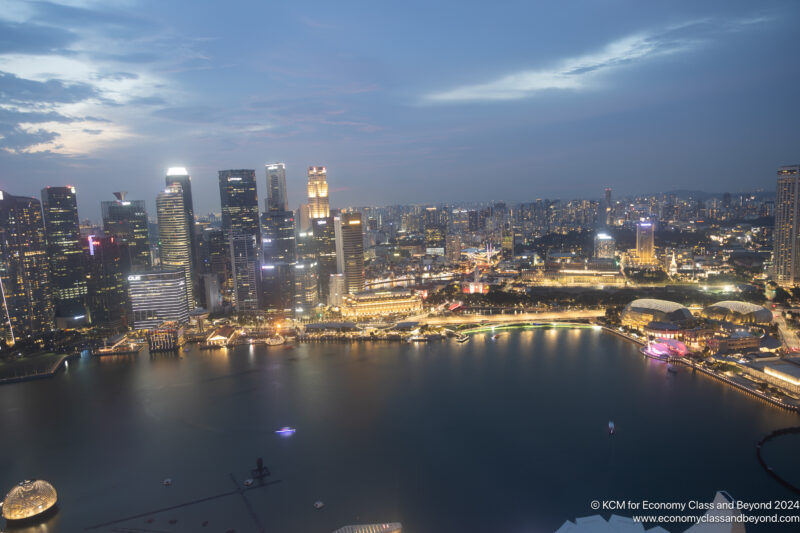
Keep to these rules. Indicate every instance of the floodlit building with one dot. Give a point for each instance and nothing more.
(738, 313)
(166, 337)
(604, 246)
(175, 235)
(29, 499)
(336, 290)
(318, 203)
(158, 296)
(380, 303)
(639, 313)
(180, 176)
(645, 242)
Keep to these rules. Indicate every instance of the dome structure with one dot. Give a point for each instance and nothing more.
(641, 312)
(29, 499)
(738, 312)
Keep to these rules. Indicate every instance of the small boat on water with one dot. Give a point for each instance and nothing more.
(286, 430)
(167, 482)
(319, 504)
(494, 337)
(462, 338)
(611, 427)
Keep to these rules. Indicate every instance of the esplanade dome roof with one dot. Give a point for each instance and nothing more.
(649, 309)
(29, 499)
(735, 311)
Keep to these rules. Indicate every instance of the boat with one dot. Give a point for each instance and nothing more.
(611, 427)
(286, 430)
(248, 482)
(494, 337)
(319, 504)
(167, 482)
(277, 340)
(462, 338)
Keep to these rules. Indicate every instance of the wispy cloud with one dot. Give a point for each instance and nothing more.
(583, 72)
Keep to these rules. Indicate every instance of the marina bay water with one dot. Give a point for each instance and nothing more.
(505, 435)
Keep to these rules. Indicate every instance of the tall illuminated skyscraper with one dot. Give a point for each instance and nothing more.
(350, 251)
(180, 176)
(25, 291)
(126, 220)
(786, 237)
(318, 205)
(60, 209)
(158, 297)
(324, 237)
(107, 295)
(242, 232)
(276, 187)
(645, 249)
(174, 232)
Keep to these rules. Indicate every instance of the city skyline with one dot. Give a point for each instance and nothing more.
(648, 95)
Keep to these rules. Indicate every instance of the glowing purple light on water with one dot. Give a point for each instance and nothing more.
(285, 431)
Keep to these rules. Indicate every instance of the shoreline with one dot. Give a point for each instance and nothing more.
(51, 372)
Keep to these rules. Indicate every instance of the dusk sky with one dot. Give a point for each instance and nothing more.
(404, 102)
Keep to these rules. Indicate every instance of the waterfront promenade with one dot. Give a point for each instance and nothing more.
(461, 319)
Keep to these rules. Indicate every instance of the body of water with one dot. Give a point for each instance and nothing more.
(507, 435)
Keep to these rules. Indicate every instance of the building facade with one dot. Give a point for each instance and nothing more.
(276, 187)
(350, 250)
(126, 220)
(157, 297)
(179, 176)
(25, 289)
(645, 242)
(107, 295)
(786, 247)
(318, 203)
(175, 239)
(67, 268)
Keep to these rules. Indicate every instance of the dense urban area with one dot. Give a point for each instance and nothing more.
(698, 278)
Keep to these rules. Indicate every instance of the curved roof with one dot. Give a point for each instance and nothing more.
(758, 312)
(28, 499)
(665, 306)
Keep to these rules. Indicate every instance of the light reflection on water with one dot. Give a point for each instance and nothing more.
(490, 435)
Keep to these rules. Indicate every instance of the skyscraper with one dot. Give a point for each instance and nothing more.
(435, 231)
(306, 287)
(179, 175)
(107, 297)
(242, 232)
(25, 291)
(645, 251)
(157, 297)
(278, 237)
(67, 269)
(174, 232)
(276, 187)
(126, 220)
(350, 251)
(318, 205)
(786, 248)
(324, 235)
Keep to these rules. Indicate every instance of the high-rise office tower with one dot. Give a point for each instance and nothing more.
(277, 286)
(276, 187)
(306, 287)
(608, 207)
(107, 297)
(350, 251)
(318, 205)
(126, 220)
(67, 269)
(435, 231)
(179, 175)
(786, 237)
(242, 231)
(645, 250)
(25, 290)
(157, 297)
(324, 235)
(278, 236)
(175, 235)
(336, 290)
(604, 246)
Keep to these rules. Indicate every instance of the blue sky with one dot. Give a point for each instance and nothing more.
(406, 102)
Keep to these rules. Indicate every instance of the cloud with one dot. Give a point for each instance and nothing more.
(582, 72)
(27, 38)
